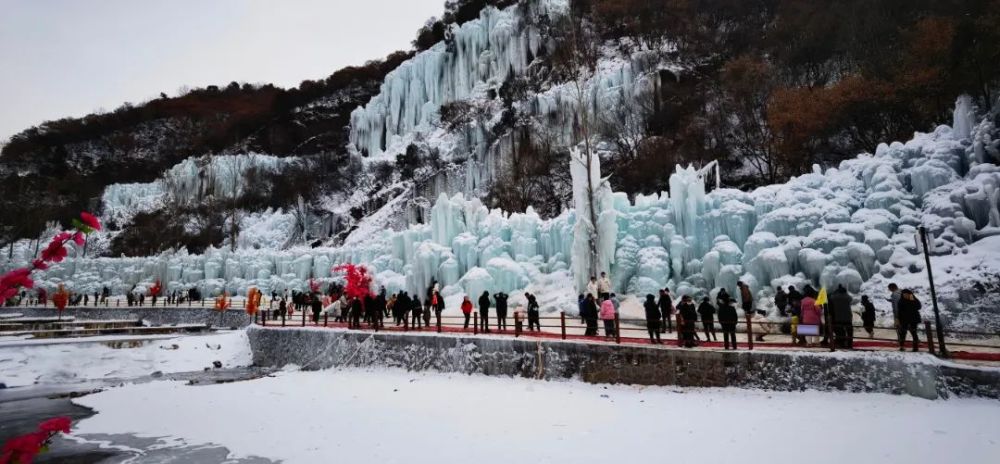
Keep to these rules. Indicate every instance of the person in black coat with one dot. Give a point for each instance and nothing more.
(707, 313)
(533, 319)
(501, 302)
(440, 303)
(416, 309)
(689, 316)
(399, 309)
(653, 317)
(484, 312)
(666, 310)
(781, 301)
(590, 315)
(378, 311)
(727, 319)
(868, 316)
(282, 310)
(356, 309)
(843, 318)
(909, 318)
(316, 305)
(794, 301)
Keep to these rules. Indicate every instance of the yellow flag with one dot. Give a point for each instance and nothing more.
(821, 299)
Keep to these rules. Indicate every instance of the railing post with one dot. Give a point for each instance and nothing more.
(618, 329)
(303, 317)
(283, 318)
(263, 319)
(475, 323)
(255, 318)
(930, 336)
(829, 328)
(517, 324)
(562, 323)
(406, 321)
(437, 315)
(749, 331)
(680, 330)
(326, 319)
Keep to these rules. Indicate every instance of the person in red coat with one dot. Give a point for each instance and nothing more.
(467, 310)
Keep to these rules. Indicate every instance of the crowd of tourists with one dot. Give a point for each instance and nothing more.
(810, 317)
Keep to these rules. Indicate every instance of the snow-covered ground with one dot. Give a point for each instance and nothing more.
(95, 359)
(396, 416)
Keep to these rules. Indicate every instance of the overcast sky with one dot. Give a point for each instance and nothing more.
(71, 57)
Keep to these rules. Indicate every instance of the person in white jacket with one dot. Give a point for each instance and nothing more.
(604, 287)
(592, 286)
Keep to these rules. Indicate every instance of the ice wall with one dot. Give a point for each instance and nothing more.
(188, 182)
(851, 225)
(481, 54)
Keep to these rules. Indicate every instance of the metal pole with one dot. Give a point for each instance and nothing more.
(930, 280)
(562, 317)
(930, 337)
(475, 323)
(618, 329)
(749, 331)
(828, 318)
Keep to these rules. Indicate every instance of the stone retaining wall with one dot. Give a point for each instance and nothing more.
(153, 316)
(903, 373)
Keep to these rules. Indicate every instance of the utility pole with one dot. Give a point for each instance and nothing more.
(930, 279)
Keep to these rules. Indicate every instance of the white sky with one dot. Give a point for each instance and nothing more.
(63, 58)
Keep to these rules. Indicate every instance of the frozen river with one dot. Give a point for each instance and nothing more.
(396, 416)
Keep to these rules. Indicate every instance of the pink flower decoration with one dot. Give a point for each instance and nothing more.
(39, 264)
(78, 238)
(90, 220)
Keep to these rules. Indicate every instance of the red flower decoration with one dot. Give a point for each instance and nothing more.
(39, 264)
(359, 281)
(17, 278)
(90, 220)
(56, 424)
(78, 238)
(24, 448)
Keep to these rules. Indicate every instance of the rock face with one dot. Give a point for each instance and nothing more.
(921, 376)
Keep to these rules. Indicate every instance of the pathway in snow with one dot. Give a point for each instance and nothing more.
(396, 416)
